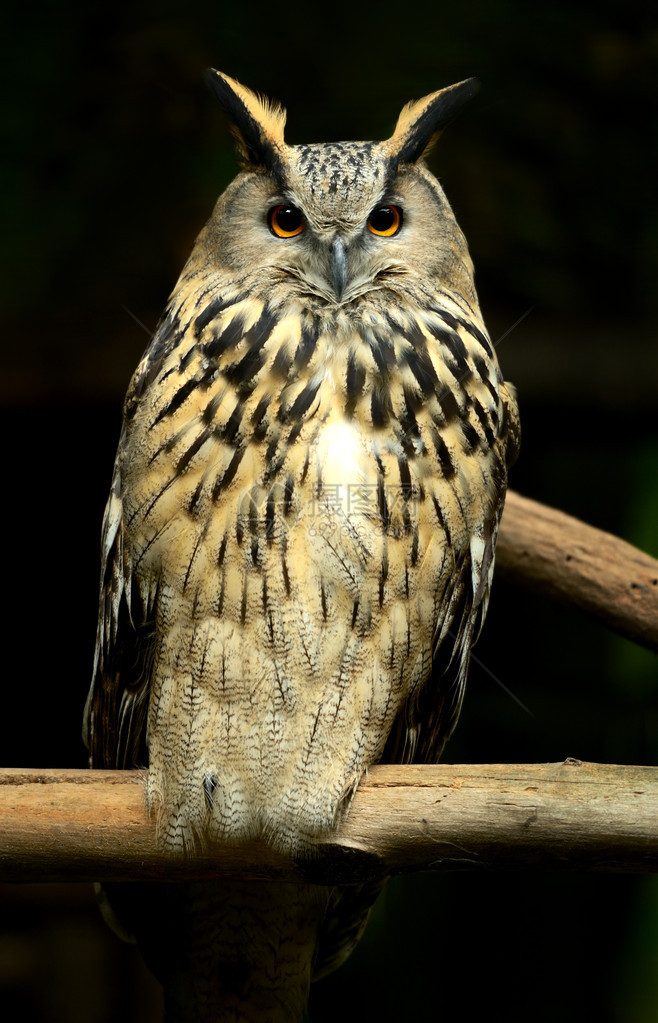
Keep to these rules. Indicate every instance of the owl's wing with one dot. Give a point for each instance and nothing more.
(115, 714)
(114, 729)
(428, 719)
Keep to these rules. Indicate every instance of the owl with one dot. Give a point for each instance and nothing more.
(299, 542)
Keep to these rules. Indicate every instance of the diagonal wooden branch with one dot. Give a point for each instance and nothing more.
(566, 560)
(82, 825)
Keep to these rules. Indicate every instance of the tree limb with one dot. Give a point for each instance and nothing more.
(84, 825)
(566, 560)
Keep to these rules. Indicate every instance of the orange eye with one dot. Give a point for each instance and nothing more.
(385, 221)
(285, 221)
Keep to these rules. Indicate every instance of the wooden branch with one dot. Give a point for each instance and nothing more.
(83, 825)
(547, 551)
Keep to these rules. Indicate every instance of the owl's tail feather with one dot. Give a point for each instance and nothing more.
(226, 952)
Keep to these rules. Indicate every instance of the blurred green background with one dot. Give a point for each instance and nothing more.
(114, 156)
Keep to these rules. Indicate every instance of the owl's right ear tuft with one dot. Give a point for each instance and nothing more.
(256, 123)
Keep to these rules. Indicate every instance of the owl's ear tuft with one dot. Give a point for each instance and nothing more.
(256, 123)
(421, 122)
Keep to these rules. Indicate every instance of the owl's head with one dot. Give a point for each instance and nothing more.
(336, 221)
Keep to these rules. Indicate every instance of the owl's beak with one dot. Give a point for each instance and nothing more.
(338, 267)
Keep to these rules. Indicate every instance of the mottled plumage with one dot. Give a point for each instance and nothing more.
(303, 519)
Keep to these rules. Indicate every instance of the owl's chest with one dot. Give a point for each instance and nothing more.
(325, 460)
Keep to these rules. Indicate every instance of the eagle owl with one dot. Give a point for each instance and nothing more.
(299, 540)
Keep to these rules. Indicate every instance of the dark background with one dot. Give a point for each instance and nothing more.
(115, 155)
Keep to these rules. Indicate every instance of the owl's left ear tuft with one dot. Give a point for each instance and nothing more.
(256, 123)
(422, 121)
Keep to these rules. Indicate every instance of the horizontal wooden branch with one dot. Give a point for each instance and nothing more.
(565, 559)
(84, 825)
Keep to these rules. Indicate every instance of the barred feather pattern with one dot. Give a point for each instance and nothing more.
(298, 499)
